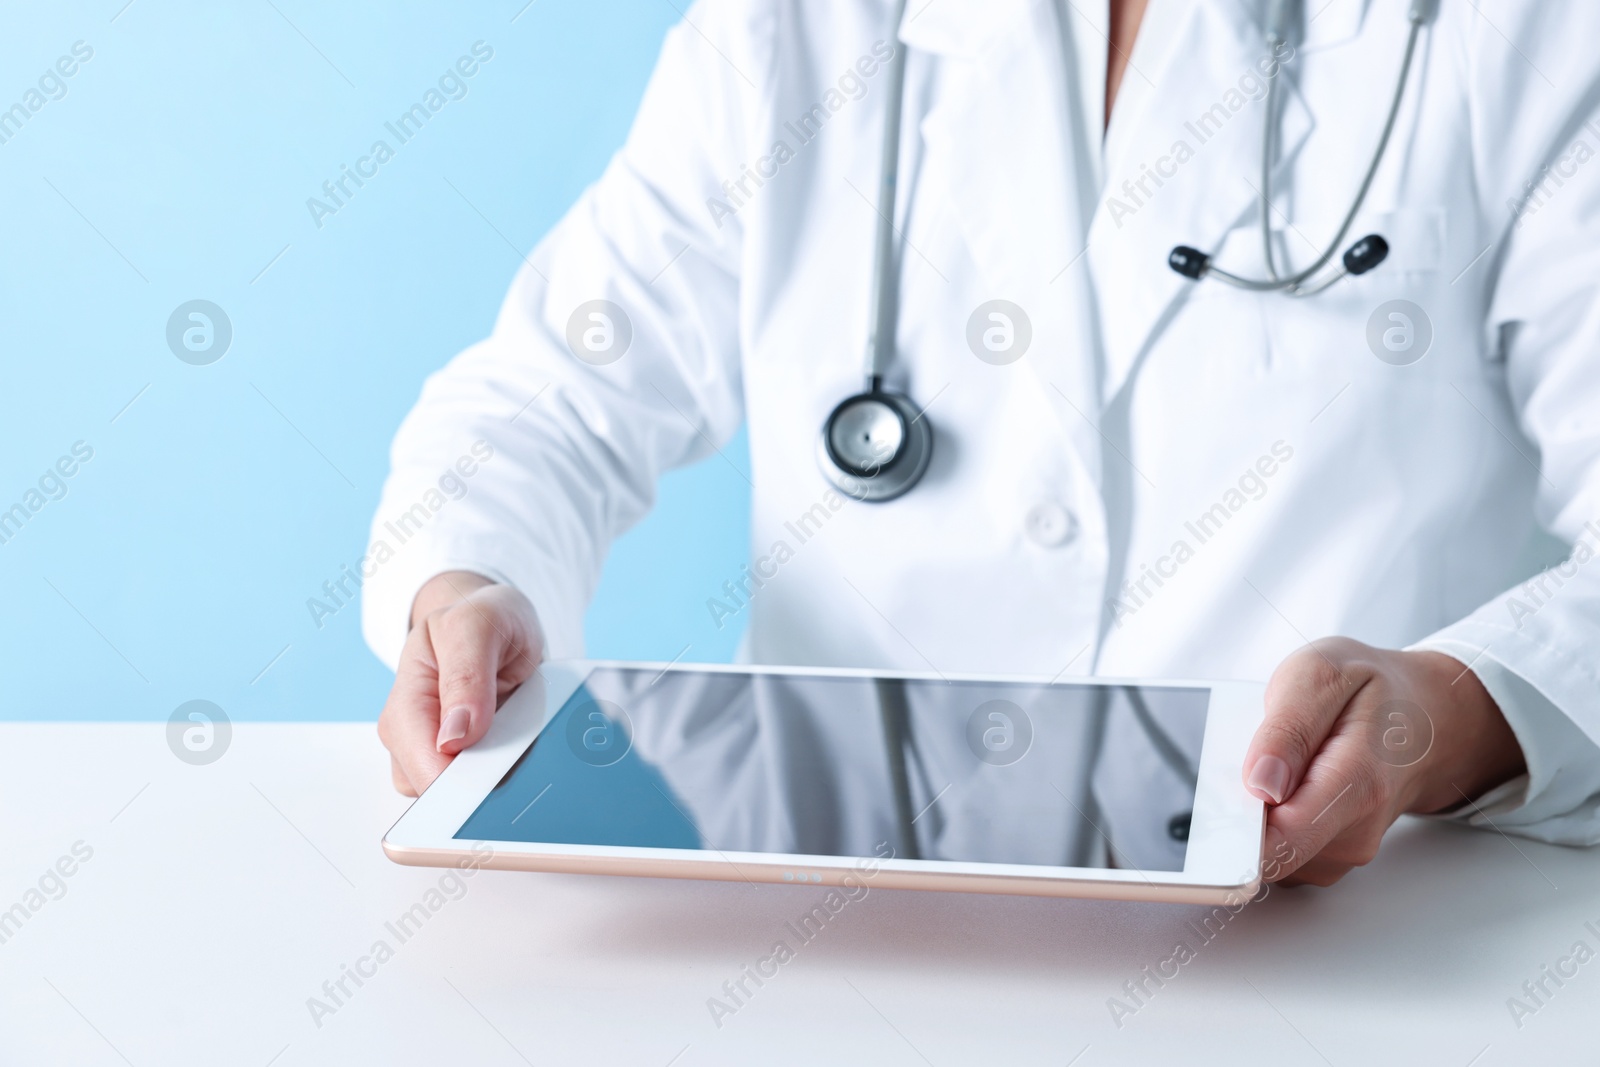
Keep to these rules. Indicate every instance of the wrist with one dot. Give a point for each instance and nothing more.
(1474, 747)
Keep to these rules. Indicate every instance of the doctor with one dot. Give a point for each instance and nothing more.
(1074, 447)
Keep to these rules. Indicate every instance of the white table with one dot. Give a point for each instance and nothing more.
(218, 899)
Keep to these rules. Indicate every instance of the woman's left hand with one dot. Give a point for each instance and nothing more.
(1356, 736)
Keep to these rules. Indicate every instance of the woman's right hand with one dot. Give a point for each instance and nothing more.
(472, 642)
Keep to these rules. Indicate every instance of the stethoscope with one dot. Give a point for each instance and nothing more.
(876, 444)
(1360, 257)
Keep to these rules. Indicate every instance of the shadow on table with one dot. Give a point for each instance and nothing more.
(1431, 912)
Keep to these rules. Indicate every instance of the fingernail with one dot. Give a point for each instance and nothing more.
(453, 726)
(1271, 776)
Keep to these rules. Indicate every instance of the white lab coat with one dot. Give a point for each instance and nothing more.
(1341, 494)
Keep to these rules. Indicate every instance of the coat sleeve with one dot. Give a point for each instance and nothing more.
(1535, 111)
(565, 451)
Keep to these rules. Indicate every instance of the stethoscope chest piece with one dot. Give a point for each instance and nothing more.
(875, 446)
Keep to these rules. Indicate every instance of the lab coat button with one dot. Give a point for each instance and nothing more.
(1049, 524)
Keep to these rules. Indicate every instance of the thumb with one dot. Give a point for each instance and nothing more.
(1305, 697)
(468, 646)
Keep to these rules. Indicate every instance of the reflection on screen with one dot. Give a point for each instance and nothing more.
(1052, 775)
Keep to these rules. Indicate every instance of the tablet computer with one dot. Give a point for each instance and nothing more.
(1104, 788)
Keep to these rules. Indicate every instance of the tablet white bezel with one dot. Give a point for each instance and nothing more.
(1222, 860)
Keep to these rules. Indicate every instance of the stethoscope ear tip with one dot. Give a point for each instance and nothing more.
(1189, 262)
(1366, 253)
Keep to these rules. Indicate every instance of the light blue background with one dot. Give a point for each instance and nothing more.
(179, 563)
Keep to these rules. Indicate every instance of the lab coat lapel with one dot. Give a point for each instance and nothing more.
(1010, 137)
(1184, 165)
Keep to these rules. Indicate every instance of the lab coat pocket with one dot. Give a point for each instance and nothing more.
(1416, 237)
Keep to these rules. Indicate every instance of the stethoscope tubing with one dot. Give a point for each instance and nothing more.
(1294, 285)
(880, 343)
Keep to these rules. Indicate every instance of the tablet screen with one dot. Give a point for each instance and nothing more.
(1059, 775)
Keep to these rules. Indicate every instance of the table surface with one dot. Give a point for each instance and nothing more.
(217, 900)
